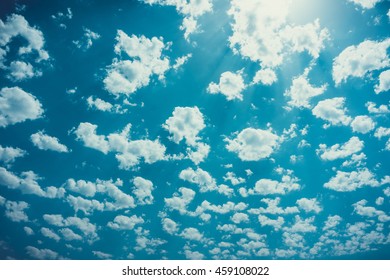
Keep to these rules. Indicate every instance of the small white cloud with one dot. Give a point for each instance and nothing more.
(365, 4)
(127, 76)
(238, 218)
(301, 91)
(199, 177)
(169, 226)
(332, 222)
(16, 106)
(350, 181)
(230, 84)
(45, 142)
(41, 254)
(143, 190)
(302, 225)
(125, 223)
(180, 202)
(20, 70)
(99, 104)
(88, 38)
(369, 211)
(265, 76)
(379, 201)
(185, 124)
(337, 151)
(15, 210)
(357, 61)
(266, 186)
(333, 111)
(276, 224)
(180, 61)
(253, 144)
(70, 235)
(50, 234)
(233, 179)
(192, 234)
(374, 109)
(102, 255)
(362, 124)
(28, 230)
(9, 154)
(309, 205)
(384, 82)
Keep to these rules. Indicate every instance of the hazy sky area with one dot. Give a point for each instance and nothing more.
(195, 129)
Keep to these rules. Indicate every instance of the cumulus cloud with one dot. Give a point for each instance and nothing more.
(274, 208)
(309, 205)
(169, 226)
(357, 61)
(384, 82)
(128, 152)
(50, 234)
(276, 224)
(265, 76)
(199, 177)
(230, 84)
(15, 210)
(9, 155)
(41, 254)
(374, 109)
(70, 235)
(288, 183)
(337, 151)
(17, 106)
(302, 225)
(192, 234)
(301, 91)
(127, 76)
(20, 70)
(191, 11)
(253, 144)
(99, 104)
(350, 181)
(261, 32)
(125, 223)
(180, 202)
(238, 218)
(143, 190)
(333, 111)
(365, 4)
(45, 142)
(369, 211)
(362, 124)
(88, 39)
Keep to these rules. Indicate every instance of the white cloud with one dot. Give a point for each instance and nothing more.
(350, 181)
(379, 201)
(382, 132)
(15, 210)
(191, 10)
(185, 124)
(238, 218)
(276, 224)
(273, 208)
(16, 25)
(28, 230)
(302, 225)
(230, 84)
(265, 76)
(128, 152)
(357, 61)
(200, 153)
(125, 223)
(233, 179)
(301, 91)
(99, 104)
(192, 234)
(365, 4)
(20, 70)
(384, 82)
(169, 226)
(127, 76)
(362, 124)
(193, 255)
(260, 32)
(9, 154)
(143, 190)
(337, 151)
(309, 205)
(253, 144)
(70, 235)
(102, 255)
(88, 38)
(333, 111)
(41, 254)
(368, 211)
(180, 202)
(180, 61)
(373, 109)
(332, 222)
(16, 106)
(45, 142)
(50, 234)
(199, 177)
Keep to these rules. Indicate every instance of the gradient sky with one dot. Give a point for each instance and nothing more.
(199, 129)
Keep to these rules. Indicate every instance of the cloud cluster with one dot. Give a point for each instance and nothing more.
(333, 111)
(337, 151)
(230, 84)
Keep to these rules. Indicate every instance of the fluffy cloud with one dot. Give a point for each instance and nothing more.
(260, 32)
(192, 234)
(191, 10)
(357, 61)
(373, 109)
(200, 177)
(128, 152)
(234, 180)
(301, 91)
(368, 211)
(99, 104)
(180, 202)
(125, 223)
(337, 151)
(15, 210)
(169, 226)
(266, 186)
(70, 235)
(9, 154)
(384, 82)
(88, 38)
(45, 142)
(265, 76)
(50, 234)
(309, 205)
(41, 254)
(350, 181)
(362, 124)
(365, 4)
(20, 70)
(273, 208)
(238, 218)
(253, 144)
(302, 225)
(276, 224)
(333, 111)
(230, 84)
(16, 106)
(143, 190)
(14, 26)
(127, 76)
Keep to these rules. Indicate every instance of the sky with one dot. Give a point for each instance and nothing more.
(194, 129)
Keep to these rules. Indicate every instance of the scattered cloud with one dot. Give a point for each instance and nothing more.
(8, 154)
(143, 190)
(88, 39)
(125, 223)
(337, 151)
(384, 82)
(230, 84)
(351, 181)
(365, 4)
(333, 111)
(309, 205)
(45, 142)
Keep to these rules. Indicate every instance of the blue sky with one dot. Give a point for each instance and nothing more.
(211, 129)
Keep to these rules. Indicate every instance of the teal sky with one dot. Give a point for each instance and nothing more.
(211, 129)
